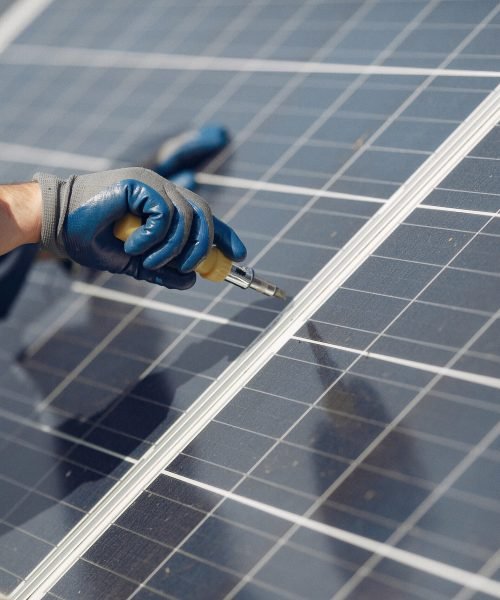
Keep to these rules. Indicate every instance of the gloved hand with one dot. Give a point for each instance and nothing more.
(178, 227)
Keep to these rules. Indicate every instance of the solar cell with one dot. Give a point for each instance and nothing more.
(99, 381)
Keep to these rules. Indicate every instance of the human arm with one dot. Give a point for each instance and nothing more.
(20, 215)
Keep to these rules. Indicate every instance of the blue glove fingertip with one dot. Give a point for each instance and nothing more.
(214, 137)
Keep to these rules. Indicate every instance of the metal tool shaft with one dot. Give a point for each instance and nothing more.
(245, 277)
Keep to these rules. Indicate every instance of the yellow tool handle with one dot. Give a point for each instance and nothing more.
(215, 267)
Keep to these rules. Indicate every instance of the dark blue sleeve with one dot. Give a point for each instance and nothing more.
(14, 268)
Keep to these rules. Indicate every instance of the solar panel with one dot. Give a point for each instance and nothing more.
(373, 428)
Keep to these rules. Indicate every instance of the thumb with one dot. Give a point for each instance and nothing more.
(228, 242)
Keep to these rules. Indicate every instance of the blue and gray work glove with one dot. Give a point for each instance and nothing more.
(178, 228)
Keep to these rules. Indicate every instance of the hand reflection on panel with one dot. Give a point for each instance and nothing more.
(356, 415)
(51, 479)
(47, 479)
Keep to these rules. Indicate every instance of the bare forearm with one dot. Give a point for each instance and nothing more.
(20, 215)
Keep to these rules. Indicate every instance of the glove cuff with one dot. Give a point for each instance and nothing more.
(55, 198)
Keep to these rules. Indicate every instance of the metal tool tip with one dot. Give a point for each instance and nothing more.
(279, 293)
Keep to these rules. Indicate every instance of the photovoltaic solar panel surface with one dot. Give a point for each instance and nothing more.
(398, 453)
(358, 443)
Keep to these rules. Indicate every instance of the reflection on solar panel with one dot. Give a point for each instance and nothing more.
(154, 446)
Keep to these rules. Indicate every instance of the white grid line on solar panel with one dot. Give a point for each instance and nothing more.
(145, 401)
(225, 93)
(391, 582)
(219, 516)
(366, 351)
(447, 482)
(86, 57)
(72, 92)
(97, 423)
(469, 498)
(483, 110)
(223, 493)
(497, 425)
(463, 447)
(91, 78)
(126, 86)
(441, 441)
(110, 388)
(42, 366)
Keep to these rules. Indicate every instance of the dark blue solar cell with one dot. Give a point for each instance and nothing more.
(126, 553)
(88, 581)
(227, 545)
(159, 519)
(186, 577)
(462, 522)
(228, 446)
(321, 579)
(379, 495)
(260, 412)
(335, 434)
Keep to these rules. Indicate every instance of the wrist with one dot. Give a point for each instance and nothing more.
(20, 215)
